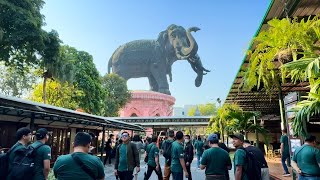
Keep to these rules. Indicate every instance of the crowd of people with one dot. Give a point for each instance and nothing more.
(32, 161)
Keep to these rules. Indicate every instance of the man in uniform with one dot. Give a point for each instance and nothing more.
(285, 154)
(306, 160)
(153, 160)
(178, 165)
(68, 166)
(43, 155)
(215, 160)
(239, 161)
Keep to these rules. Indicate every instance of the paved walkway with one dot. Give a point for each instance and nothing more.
(276, 169)
(196, 174)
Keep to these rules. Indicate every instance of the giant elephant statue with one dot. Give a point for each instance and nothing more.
(154, 58)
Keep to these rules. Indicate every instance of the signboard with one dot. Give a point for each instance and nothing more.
(290, 102)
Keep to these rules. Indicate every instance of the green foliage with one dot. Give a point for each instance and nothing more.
(208, 109)
(282, 41)
(58, 94)
(12, 83)
(117, 94)
(231, 118)
(21, 34)
(87, 79)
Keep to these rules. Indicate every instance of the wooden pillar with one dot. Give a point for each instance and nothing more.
(103, 141)
(32, 122)
(255, 123)
(72, 136)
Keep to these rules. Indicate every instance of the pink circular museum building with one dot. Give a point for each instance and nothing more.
(148, 103)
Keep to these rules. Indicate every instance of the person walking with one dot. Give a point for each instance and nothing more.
(43, 155)
(152, 153)
(126, 158)
(199, 145)
(136, 140)
(306, 160)
(178, 165)
(188, 154)
(259, 156)
(23, 136)
(108, 150)
(167, 151)
(80, 164)
(285, 154)
(215, 160)
(239, 161)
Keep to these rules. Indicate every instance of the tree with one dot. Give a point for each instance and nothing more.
(58, 94)
(87, 79)
(222, 121)
(208, 109)
(12, 83)
(21, 36)
(281, 43)
(243, 123)
(117, 94)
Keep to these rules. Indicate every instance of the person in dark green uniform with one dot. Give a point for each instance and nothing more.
(215, 160)
(67, 168)
(178, 165)
(23, 136)
(306, 160)
(239, 161)
(43, 155)
(285, 154)
(166, 146)
(153, 160)
(199, 148)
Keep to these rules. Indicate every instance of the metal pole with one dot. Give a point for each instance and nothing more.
(281, 106)
(103, 140)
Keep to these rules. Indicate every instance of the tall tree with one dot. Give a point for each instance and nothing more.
(12, 83)
(208, 109)
(21, 36)
(87, 79)
(117, 94)
(58, 94)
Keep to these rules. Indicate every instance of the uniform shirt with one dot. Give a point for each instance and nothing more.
(123, 160)
(240, 160)
(177, 154)
(199, 147)
(216, 161)
(66, 168)
(308, 159)
(284, 139)
(153, 151)
(42, 153)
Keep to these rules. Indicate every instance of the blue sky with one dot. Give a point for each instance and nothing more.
(99, 27)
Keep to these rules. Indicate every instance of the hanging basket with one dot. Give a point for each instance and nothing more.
(284, 56)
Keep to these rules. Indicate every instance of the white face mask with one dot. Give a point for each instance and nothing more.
(186, 140)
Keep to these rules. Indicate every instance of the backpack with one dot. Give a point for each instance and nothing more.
(167, 151)
(4, 163)
(23, 163)
(253, 170)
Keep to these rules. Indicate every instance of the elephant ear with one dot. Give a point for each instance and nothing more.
(163, 38)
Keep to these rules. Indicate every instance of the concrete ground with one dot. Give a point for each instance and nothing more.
(196, 174)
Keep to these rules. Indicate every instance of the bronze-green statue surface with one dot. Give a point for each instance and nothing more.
(153, 58)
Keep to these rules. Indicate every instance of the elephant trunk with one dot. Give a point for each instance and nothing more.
(193, 47)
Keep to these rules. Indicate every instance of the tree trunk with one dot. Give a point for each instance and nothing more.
(246, 135)
(44, 91)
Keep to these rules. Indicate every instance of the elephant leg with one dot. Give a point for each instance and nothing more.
(153, 84)
(159, 75)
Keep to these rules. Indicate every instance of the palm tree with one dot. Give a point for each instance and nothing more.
(56, 63)
(243, 123)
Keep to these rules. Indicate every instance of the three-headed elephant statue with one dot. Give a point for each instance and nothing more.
(154, 58)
